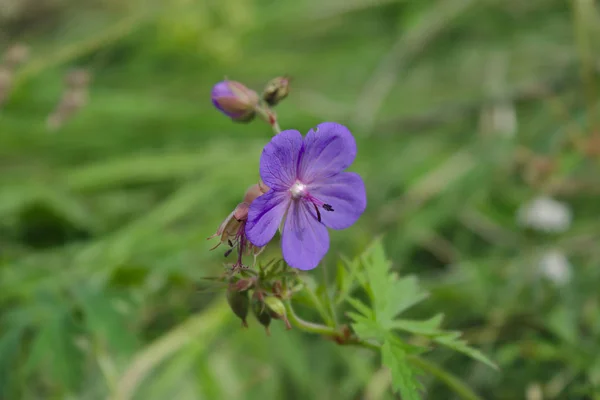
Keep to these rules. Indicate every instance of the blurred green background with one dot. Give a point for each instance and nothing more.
(464, 111)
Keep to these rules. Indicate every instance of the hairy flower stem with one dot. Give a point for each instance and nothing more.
(268, 115)
(462, 390)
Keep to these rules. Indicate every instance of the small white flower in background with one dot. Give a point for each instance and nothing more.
(554, 266)
(545, 214)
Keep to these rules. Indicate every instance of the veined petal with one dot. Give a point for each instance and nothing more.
(265, 215)
(328, 149)
(304, 240)
(346, 194)
(279, 160)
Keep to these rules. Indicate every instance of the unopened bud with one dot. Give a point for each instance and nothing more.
(261, 313)
(239, 302)
(276, 90)
(277, 310)
(235, 100)
(243, 285)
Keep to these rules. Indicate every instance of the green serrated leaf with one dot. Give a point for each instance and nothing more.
(349, 273)
(389, 295)
(361, 308)
(429, 327)
(451, 340)
(403, 294)
(366, 328)
(404, 381)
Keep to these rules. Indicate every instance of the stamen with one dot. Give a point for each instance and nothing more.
(230, 243)
(327, 207)
(318, 212)
(228, 252)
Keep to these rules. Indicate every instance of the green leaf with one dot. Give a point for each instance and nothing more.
(427, 328)
(365, 325)
(362, 308)
(451, 340)
(366, 328)
(10, 347)
(389, 295)
(394, 356)
(348, 274)
(54, 352)
(108, 327)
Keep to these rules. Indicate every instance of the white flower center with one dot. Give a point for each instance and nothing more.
(298, 190)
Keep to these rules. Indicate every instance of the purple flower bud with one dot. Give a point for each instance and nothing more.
(235, 100)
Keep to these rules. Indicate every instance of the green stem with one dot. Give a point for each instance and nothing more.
(307, 326)
(276, 128)
(269, 117)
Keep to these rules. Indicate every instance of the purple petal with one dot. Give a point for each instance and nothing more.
(265, 215)
(328, 149)
(279, 160)
(221, 89)
(304, 240)
(346, 194)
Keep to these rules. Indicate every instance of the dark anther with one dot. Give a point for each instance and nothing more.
(328, 207)
(228, 252)
(230, 243)
(318, 212)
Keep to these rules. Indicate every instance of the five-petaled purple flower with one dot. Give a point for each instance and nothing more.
(309, 192)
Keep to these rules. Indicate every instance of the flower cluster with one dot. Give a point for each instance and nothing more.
(304, 186)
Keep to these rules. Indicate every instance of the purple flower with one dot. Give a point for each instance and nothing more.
(234, 100)
(309, 192)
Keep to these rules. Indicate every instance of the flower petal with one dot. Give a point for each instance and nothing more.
(279, 160)
(328, 149)
(265, 215)
(346, 194)
(304, 240)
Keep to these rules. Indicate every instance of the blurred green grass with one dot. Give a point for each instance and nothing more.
(103, 222)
